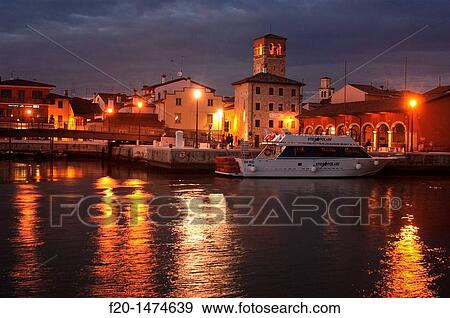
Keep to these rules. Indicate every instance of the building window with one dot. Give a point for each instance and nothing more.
(257, 123)
(258, 90)
(60, 104)
(271, 123)
(270, 90)
(293, 108)
(271, 107)
(210, 102)
(6, 93)
(159, 96)
(226, 126)
(178, 101)
(293, 124)
(293, 92)
(280, 107)
(36, 94)
(210, 118)
(258, 106)
(280, 92)
(21, 96)
(177, 118)
(60, 119)
(280, 124)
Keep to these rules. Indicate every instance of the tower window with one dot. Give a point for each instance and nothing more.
(280, 107)
(258, 106)
(271, 123)
(279, 52)
(280, 92)
(271, 107)
(272, 49)
(257, 123)
(293, 92)
(258, 90)
(270, 90)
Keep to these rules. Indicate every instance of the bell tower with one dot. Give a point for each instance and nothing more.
(269, 55)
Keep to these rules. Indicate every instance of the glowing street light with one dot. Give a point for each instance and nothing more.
(29, 111)
(139, 105)
(109, 110)
(197, 95)
(412, 104)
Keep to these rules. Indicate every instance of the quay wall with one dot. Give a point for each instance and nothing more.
(199, 159)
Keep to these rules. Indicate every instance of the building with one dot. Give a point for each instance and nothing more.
(60, 113)
(325, 90)
(388, 123)
(267, 101)
(175, 103)
(24, 102)
(360, 92)
(85, 111)
(113, 101)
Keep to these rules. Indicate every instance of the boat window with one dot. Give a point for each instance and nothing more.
(323, 152)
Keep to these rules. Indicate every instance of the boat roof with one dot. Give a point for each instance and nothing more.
(315, 140)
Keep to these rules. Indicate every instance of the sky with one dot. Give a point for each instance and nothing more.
(89, 46)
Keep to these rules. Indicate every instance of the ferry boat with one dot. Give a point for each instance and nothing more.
(305, 156)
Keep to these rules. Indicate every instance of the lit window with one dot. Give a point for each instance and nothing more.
(177, 118)
(279, 51)
(210, 102)
(178, 101)
(272, 49)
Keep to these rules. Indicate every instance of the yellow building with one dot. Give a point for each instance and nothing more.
(60, 112)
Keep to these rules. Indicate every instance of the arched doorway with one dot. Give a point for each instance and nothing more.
(341, 130)
(354, 132)
(367, 134)
(319, 130)
(399, 134)
(382, 136)
(329, 130)
(308, 130)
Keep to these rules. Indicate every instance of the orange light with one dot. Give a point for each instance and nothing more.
(412, 103)
(109, 110)
(140, 104)
(29, 111)
(197, 94)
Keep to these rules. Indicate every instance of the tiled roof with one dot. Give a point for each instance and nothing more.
(82, 107)
(375, 106)
(372, 90)
(437, 92)
(272, 36)
(177, 80)
(268, 78)
(21, 82)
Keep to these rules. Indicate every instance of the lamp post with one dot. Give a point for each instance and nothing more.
(412, 104)
(139, 105)
(197, 95)
(109, 111)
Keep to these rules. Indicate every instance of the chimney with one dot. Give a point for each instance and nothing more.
(163, 78)
(188, 82)
(66, 92)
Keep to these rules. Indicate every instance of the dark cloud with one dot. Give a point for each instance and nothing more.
(136, 41)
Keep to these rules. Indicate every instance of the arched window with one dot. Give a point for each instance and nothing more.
(272, 49)
(354, 133)
(341, 131)
(398, 134)
(367, 134)
(319, 130)
(308, 131)
(329, 130)
(279, 50)
(383, 136)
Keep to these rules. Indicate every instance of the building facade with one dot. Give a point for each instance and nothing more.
(60, 113)
(24, 102)
(267, 101)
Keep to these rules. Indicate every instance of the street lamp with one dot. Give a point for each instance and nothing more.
(139, 105)
(197, 95)
(109, 111)
(412, 104)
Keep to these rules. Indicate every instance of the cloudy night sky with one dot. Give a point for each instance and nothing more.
(137, 41)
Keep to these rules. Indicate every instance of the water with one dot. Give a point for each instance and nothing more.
(111, 251)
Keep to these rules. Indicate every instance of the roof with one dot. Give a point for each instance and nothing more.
(272, 36)
(375, 106)
(53, 95)
(372, 90)
(22, 82)
(268, 78)
(81, 107)
(106, 96)
(437, 92)
(177, 80)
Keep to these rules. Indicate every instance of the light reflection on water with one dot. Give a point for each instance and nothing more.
(127, 254)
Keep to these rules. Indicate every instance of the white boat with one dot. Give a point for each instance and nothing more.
(305, 156)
